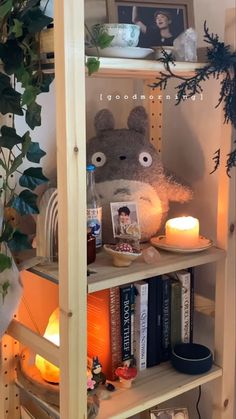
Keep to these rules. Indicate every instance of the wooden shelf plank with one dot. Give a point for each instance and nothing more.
(37, 343)
(107, 276)
(153, 386)
(144, 69)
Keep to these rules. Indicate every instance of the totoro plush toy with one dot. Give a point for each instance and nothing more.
(128, 168)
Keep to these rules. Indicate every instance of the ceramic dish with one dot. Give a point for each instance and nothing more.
(160, 242)
(121, 259)
(124, 34)
(119, 52)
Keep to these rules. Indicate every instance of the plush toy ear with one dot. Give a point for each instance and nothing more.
(138, 120)
(104, 120)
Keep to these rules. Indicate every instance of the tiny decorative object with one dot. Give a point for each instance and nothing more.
(90, 382)
(191, 358)
(182, 232)
(160, 22)
(97, 375)
(169, 413)
(151, 255)
(128, 169)
(127, 373)
(185, 46)
(123, 254)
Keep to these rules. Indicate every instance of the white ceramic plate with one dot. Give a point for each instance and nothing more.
(160, 242)
(120, 52)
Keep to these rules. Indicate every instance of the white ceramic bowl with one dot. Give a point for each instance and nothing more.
(121, 259)
(125, 34)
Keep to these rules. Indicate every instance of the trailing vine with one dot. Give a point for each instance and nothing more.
(21, 22)
(221, 62)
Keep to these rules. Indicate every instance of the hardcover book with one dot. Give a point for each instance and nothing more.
(141, 324)
(125, 318)
(154, 322)
(104, 338)
(175, 330)
(166, 321)
(185, 279)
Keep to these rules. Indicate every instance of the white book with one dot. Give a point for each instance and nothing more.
(141, 323)
(185, 279)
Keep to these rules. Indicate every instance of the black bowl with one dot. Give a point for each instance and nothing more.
(191, 358)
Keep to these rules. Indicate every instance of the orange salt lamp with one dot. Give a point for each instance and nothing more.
(50, 372)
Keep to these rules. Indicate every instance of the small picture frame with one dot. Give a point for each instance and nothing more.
(125, 220)
(170, 413)
(160, 21)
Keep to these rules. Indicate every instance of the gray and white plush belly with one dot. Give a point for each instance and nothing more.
(150, 208)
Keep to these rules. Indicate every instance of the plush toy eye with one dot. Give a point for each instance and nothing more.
(98, 159)
(145, 159)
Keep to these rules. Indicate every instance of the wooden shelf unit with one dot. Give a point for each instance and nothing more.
(160, 383)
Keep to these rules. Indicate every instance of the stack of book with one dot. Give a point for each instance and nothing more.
(143, 320)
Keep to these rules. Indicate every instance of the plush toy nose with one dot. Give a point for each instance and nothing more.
(122, 157)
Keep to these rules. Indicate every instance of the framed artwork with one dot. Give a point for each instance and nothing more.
(178, 413)
(160, 22)
(125, 221)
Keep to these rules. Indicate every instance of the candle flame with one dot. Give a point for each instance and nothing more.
(183, 223)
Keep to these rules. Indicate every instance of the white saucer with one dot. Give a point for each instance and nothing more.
(120, 52)
(160, 242)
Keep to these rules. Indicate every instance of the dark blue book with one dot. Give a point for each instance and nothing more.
(154, 322)
(166, 318)
(126, 296)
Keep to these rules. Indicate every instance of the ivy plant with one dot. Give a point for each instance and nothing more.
(21, 22)
(99, 39)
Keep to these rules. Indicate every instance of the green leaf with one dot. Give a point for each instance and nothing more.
(7, 233)
(16, 163)
(25, 203)
(32, 178)
(19, 242)
(5, 8)
(17, 28)
(9, 137)
(26, 142)
(33, 115)
(104, 40)
(43, 81)
(12, 56)
(10, 102)
(4, 289)
(35, 153)
(9, 98)
(92, 64)
(30, 94)
(5, 263)
(35, 20)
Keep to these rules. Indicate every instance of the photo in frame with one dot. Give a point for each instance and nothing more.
(176, 413)
(160, 21)
(125, 220)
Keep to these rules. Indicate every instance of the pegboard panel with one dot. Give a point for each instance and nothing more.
(9, 393)
(154, 107)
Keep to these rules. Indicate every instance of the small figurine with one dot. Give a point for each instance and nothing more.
(90, 381)
(97, 375)
(126, 373)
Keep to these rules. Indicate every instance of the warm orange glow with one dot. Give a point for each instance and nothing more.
(182, 231)
(50, 372)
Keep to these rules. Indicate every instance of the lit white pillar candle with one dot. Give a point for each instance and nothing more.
(182, 231)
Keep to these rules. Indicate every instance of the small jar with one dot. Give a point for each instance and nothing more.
(91, 247)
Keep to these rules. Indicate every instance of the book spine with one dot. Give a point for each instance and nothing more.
(141, 323)
(125, 305)
(191, 271)
(175, 330)
(184, 278)
(115, 330)
(154, 322)
(132, 318)
(165, 318)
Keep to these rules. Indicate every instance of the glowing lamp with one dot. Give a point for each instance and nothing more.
(182, 232)
(50, 372)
